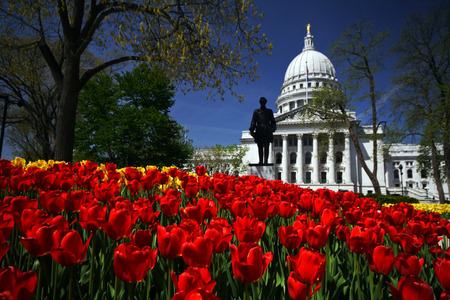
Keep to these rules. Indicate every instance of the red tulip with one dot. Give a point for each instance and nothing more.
(411, 243)
(6, 225)
(193, 278)
(170, 202)
(170, 239)
(200, 170)
(361, 239)
(15, 284)
(106, 191)
(381, 260)
(248, 262)
(198, 253)
(411, 287)
(132, 263)
(52, 201)
(120, 223)
(68, 247)
(317, 236)
(75, 199)
(92, 215)
(142, 238)
(442, 269)
(287, 209)
(39, 239)
(248, 229)
(408, 264)
(290, 236)
(309, 265)
(219, 231)
(259, 208)
(297, 289)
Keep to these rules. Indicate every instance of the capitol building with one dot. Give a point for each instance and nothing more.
(305, 153)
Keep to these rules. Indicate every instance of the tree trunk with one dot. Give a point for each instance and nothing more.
(373, 178)
(67, 108)
(436, 172)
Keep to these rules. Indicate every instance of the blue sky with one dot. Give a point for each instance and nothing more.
(284, 23)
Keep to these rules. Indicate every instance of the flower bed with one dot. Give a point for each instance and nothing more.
(83, 231)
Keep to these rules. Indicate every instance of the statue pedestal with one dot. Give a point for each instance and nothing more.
(263, 171)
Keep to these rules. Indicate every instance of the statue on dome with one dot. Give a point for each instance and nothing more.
(308, 27)
(261, 129)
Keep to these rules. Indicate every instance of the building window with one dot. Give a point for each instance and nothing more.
(396, 174)
(423, 174)
(293, 157)
(307, 140)
(339, 139)
(293, 177)
(339, 177)
(317, 84)
(293, 87)
(339, 156)
(410, 185)
(277, 142)
(307, 158)
(424, 185)
(309, 84)
(291, 105)
(278, 158)
(301, 85)
(409, 173)
(279, 175)
(308, 177)
(323, 177)
(280, 109)
(323, 158)
(292, 141)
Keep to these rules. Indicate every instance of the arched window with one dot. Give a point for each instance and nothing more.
(293, 157)
(339, 156)
(308, 158)
(323, 158)
(395, 174)
(409, 173)
(278, 158)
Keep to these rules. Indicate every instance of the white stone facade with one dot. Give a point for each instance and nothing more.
(306, 154)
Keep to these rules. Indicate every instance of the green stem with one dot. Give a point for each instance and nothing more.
(54, 278)
(358, 279)
(38, 291)
(371, 274)
(169, 280)
(130, 286)
(71, 283)
(116, 287)
(245, 291)
(379, 290)
(91, 275)
(149, 284)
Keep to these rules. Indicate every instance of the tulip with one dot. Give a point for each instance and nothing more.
(3, 250)
(290, 236)
(442, 269)
(408, 264)
(361, 239)
(381, 260)
(249, 230)
(248, 262)
(6, 225)
(52, 201)
(411, 287)
(198, 253)
(317, 236)
(120, 223)
(68, 247)
(299, 290)
(219, 231)
(192, 279)
(92, 216)
(309, 265)
(170, 239)
(170, 202)
(142, 238)
(15, 284)
(132, 263)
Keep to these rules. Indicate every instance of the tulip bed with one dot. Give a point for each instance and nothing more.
(84, 231)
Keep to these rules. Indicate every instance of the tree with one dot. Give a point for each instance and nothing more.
(330, 104)
(358, 50)
(125, 119)
(32, 99)
(422, 95)
(205, 44)
(220, 159)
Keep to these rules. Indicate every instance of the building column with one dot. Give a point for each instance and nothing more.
(285, 159)
(270, 160)
(315, 178)
(331, 161)
(348, 165)
(299, 159)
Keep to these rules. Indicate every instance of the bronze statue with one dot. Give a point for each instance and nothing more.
(262, 127)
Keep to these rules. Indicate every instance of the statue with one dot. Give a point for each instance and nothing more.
(308, 27)
(261, 129)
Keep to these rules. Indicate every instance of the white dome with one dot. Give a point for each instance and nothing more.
(317, 64)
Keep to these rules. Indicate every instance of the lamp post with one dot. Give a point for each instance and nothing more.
(2, 133)
(400, 167)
